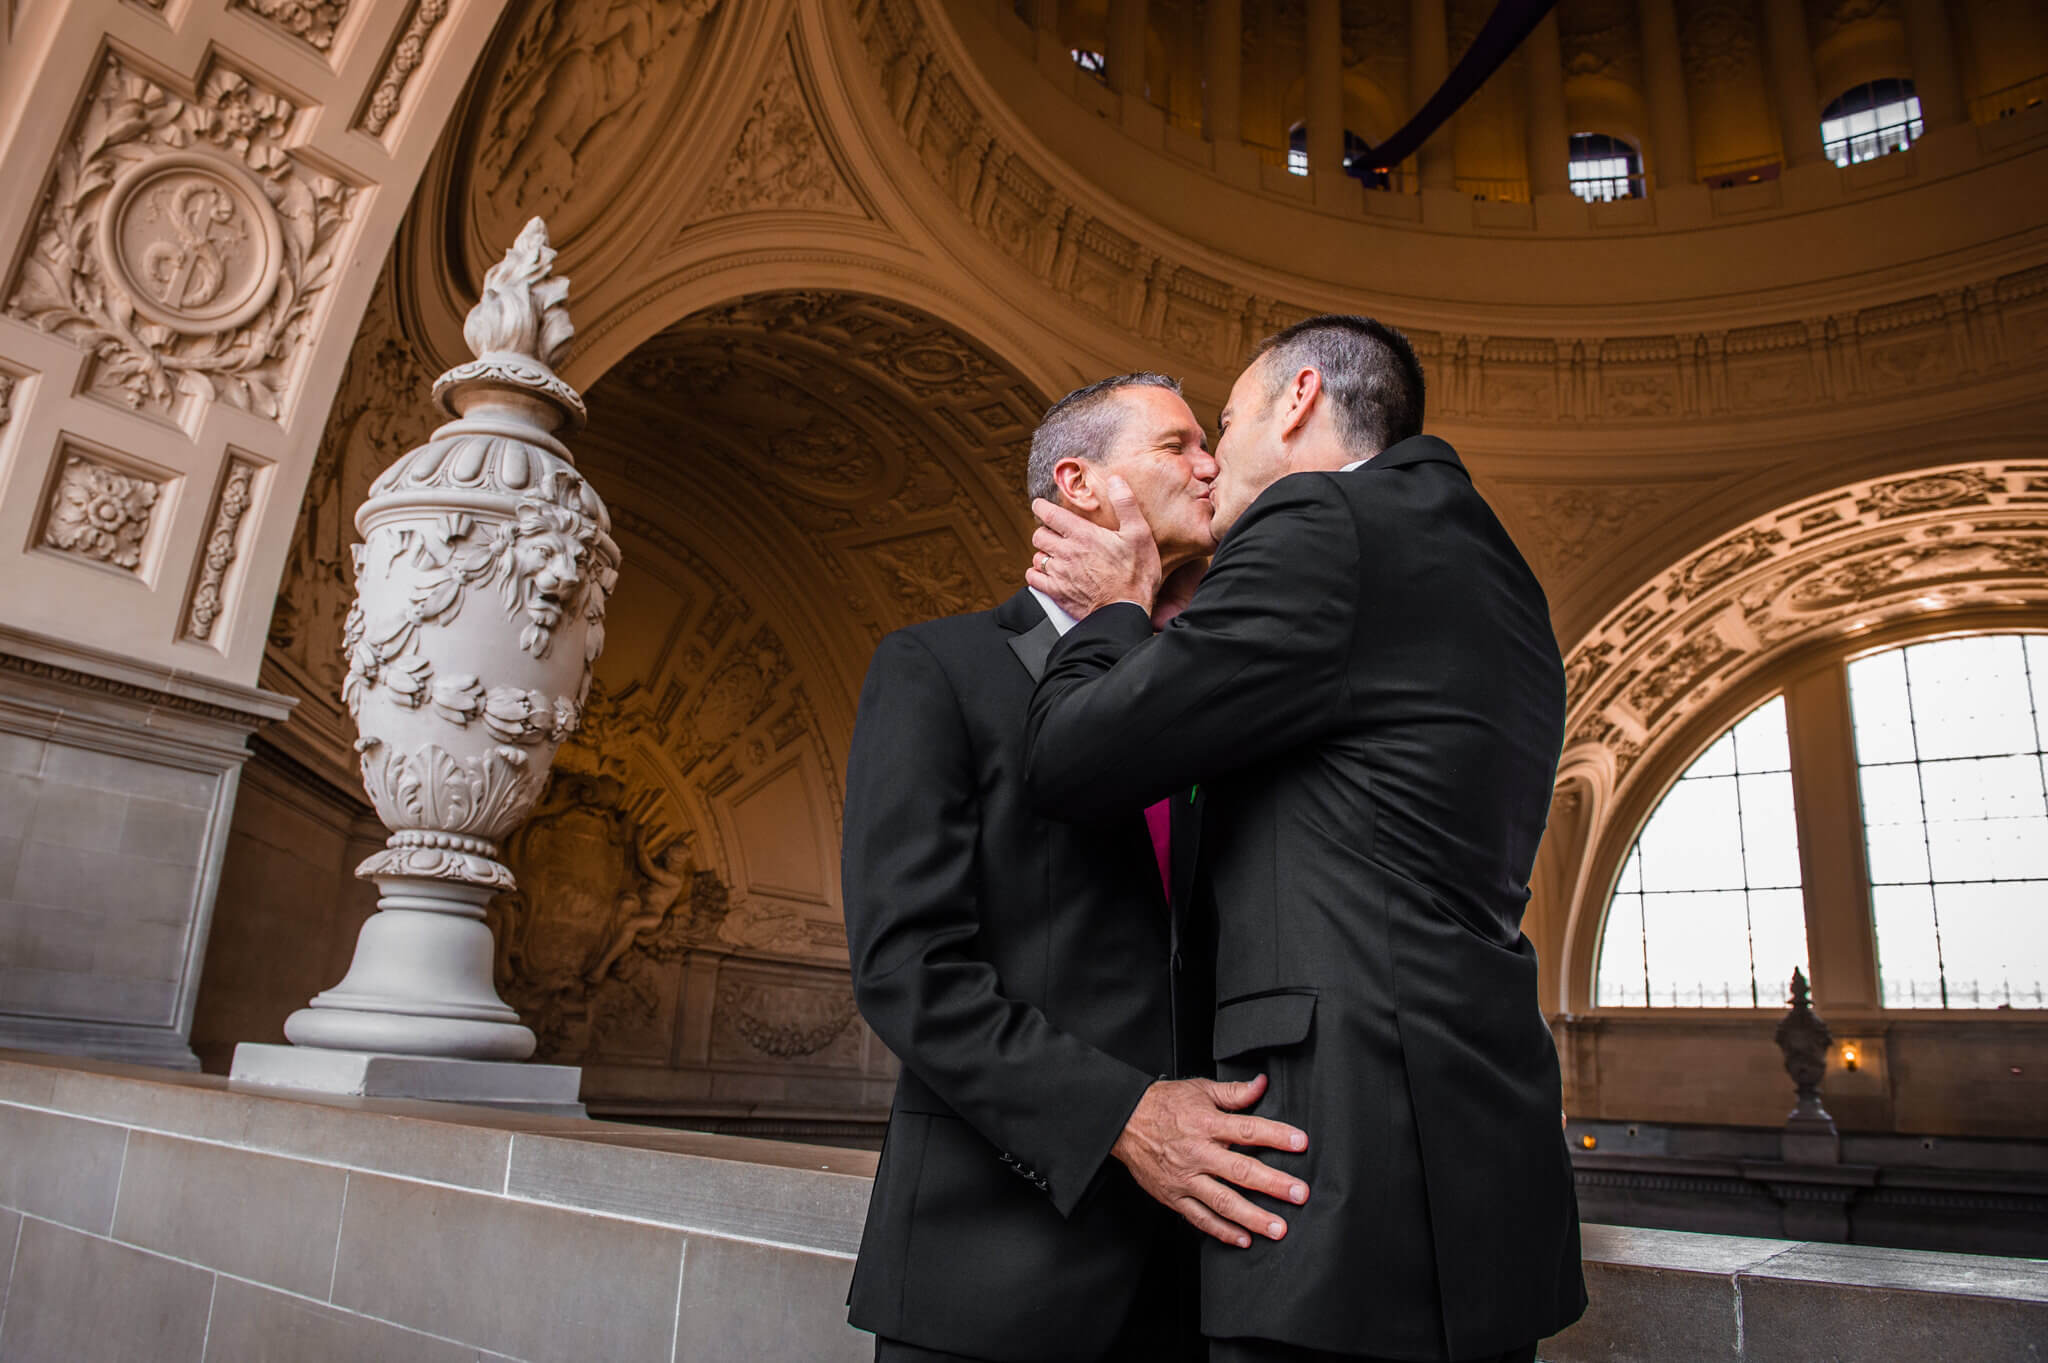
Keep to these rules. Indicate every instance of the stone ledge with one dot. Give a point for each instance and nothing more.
(671, 1242)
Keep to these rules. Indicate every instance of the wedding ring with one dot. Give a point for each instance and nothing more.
(1044, 562)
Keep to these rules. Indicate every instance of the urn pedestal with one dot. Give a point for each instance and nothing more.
(481, 583)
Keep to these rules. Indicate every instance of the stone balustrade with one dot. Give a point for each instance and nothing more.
(146, 1214)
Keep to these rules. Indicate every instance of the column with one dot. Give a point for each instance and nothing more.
(1790, 57)
(1671, 160)
(1125, 54)
(1841, 943)
(1549, 135)
(1224, 71)
(1429, 62)
(1325, 81)
(1934, 63)
(1045, 16)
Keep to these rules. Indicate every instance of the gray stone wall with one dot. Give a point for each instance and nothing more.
(116, 787)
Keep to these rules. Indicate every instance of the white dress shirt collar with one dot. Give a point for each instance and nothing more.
(1061, 621)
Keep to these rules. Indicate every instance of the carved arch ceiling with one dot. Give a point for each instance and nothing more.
(791, 475)
(1867, 554)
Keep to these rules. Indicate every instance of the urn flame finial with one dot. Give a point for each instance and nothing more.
(524, 308)
(519, 330)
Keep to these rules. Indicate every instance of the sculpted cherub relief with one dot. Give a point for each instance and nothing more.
(575, 78)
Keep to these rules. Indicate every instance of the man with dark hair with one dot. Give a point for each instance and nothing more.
(1025, 970)
(1367, 687)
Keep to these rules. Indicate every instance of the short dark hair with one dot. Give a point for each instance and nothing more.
(1369, 371)
(1080, 426)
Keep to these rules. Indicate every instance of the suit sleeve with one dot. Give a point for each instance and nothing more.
(1256, 665)
(1049, 1101)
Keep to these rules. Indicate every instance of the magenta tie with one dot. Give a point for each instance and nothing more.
(1159, 822)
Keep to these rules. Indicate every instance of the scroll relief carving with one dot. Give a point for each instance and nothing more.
(310, 21)
(237, 491)
(100, 512)
(404, 60)
(180, 243)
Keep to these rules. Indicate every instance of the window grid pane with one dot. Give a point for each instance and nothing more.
(1708, 910)
(1950, 752)
(1601, 169)
(1870, 121)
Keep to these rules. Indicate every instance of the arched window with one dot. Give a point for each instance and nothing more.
(1872, 119)
(1708, 911)
(1949, 738)
(1089, 60)
(1604, 168)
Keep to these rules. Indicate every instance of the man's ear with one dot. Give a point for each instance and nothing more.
(1300, 395)
(1077, 489)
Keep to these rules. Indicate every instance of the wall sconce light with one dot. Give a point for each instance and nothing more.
(1850, 1059)
(1588, 1142)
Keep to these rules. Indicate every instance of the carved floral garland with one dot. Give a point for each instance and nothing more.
(540, 564)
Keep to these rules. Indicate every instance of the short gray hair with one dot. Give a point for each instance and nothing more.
(1369, 372)
(1080, 426)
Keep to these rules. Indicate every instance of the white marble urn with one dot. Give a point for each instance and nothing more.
(481, 582)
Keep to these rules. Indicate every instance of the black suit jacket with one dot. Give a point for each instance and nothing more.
(1368, 688)
(1019, 967)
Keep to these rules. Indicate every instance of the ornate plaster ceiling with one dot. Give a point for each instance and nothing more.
(1868, 554)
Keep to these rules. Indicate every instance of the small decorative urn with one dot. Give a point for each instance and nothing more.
(481, 582)
(1803, 1039)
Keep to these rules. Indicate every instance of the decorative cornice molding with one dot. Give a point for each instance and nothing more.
(36, 656)
(1029, 209)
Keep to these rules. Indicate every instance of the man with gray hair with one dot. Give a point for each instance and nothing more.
(1034, 976)
(1366, 685)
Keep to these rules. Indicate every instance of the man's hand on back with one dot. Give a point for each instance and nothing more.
(1177, 1145)
(1085, 566)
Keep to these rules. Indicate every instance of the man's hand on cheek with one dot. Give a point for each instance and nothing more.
(1084, 566)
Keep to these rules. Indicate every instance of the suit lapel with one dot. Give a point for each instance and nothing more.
(1034, 646)
(1031, 631)
(1032, 636)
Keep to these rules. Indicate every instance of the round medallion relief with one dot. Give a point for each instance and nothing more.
(193, 241)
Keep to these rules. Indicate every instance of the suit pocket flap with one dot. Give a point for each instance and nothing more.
(1263, 1022)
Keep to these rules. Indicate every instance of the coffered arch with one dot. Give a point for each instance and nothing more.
(1955, 546)
(791, 474)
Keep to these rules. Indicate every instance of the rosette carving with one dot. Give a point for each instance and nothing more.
(481, 583)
